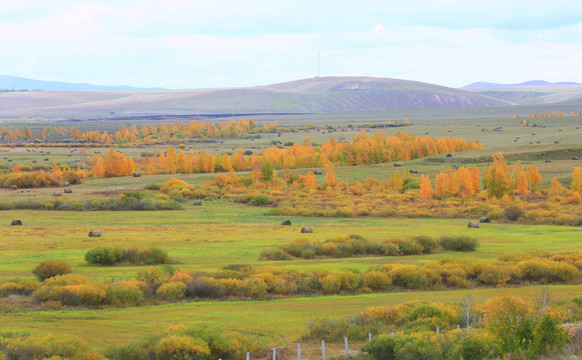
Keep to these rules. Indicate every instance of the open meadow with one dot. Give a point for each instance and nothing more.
(223, 234)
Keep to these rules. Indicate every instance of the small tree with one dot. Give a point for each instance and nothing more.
(468, 313)
(396, 182)
(49, 268)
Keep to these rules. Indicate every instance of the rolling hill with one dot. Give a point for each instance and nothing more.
(526, 83)
(314, 95)
(536, 92)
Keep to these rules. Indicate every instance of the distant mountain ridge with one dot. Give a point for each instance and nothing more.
(313, 95)
(19, 83)
(526, 83)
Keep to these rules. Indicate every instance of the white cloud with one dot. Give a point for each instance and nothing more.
(206, 43)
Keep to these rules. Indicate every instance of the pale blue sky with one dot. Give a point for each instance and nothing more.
(198, 44)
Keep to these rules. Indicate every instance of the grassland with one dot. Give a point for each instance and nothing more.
(221, 233)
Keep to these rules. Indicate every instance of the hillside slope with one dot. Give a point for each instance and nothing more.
(533, 94)
(315, 95)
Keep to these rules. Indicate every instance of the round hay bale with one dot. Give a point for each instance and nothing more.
(136, 174)
(281, 353)
(449, 155)
(197, 202)
(485, 219)
(317, 172)
(548, 161)
(557, 142)
(397, 164)
(13, 187)
(473, 225)
(306, 230)
(286, 222)
(413, 171)
(16, 222)
(574, 157)
(94, 233)
(57, 193)
(68, 191)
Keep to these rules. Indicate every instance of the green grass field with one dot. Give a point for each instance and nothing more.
(221, 233)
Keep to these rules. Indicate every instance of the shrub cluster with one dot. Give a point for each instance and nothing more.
(38, 179)
(110, 256)
(409, 330)
(50, 268)
(125, 202)
(19, 346)
(163, 283)
(181, 342)
(355, 245)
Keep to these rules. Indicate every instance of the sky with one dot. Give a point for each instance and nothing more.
(180, 44)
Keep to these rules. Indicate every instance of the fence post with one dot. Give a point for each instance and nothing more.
(438, 330)
(248, 355)
(274, 353)
(323, 349)
(299, 351)
(347, 351)
(369, 336)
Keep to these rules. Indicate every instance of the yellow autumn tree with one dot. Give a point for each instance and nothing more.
(330, 178)
(426, 191)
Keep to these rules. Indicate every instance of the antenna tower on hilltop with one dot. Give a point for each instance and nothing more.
(317, 65)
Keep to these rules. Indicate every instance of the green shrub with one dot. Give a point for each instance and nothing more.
(427, 243)
(103, 256)
(50, 268)
(261, 200)
(458, 243)
(513, 213)
(414, 277)
(206, 287)
(382, 347)
(124, 293)
(111, 256)
(274, 254)
(154, 187)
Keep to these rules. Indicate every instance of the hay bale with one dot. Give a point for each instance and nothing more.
(136, 174)
(197, 202)
(16, 222)
(94, 233)
(57, 193)
(485, 219)
(68, 191)
(557, 142)
(574, 157)
(281, 353)
(306, 230)
(548, 161)
(397, 164)
(286, 222)
(449, 155)
(473, 225)
(413, 171)
(67, 183)
(13, 187)
(317, 172)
